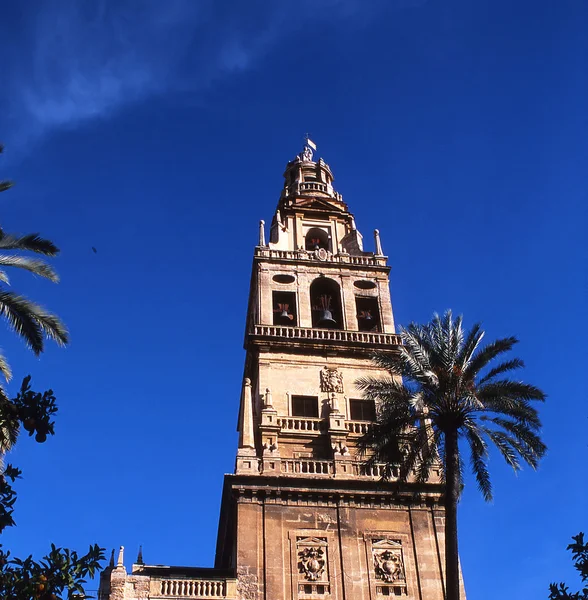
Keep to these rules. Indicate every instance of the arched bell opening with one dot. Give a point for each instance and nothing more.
(325, 299)
(368, 314)
(284, 308)
(316, 239)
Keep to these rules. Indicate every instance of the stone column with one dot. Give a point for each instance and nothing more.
(264, 290)
(385, 305)
(349, 303)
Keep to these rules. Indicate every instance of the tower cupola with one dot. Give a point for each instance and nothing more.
(304, 178)
(311, 215)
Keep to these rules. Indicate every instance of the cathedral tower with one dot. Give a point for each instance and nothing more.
(301, 517)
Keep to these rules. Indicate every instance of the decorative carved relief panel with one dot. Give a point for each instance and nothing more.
(388, 565)
(331, 380)
(313, 566)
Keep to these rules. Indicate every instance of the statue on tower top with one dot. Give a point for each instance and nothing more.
(307, 153)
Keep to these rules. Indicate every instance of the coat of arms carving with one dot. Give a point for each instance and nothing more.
(312, 563)
(388, 564)
(331, 380)
(312, 558)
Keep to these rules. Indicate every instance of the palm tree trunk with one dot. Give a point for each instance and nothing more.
(451, 497)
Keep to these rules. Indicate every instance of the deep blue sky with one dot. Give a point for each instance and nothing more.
(158, 132)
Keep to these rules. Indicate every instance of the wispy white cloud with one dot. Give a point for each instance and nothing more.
(84, 60)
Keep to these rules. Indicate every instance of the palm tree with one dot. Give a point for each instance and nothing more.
(440, 392)
(29, 320)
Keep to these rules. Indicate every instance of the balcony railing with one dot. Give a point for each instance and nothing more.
(307, 466)
(376, 471)
(300, 424)
(328, 335)
(358, 427)
(193, 588)
(313, 186)
(370, 261)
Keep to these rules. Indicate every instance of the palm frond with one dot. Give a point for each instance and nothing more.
(9, 426)
(521, 410)
(488, 353)
(389, 361)
(504, 444)
(470, 345)
(509, 365)
(505, 388)
(31, 242)
(33, 265)
(413, 354)
(526, 437)
(478, 458)
(5, 368)
(31, 321)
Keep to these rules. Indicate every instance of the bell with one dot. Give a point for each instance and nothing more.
(285, 314)
(326, 320)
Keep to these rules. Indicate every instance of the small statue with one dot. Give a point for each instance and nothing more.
(306, 155)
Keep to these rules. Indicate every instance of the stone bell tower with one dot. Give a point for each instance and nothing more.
(301, 517)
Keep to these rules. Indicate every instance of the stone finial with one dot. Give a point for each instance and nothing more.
(247, 436)
(121, 557)
(378, 243)
(139, 560)
(262, 233)
(111, 563)
(268, 399)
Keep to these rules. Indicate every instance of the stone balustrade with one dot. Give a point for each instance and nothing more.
(367, 261)
(293, 424)
(193, 588)
(307, 466)
(304, 187)
(358, 427)
(327, 335)
(313, 186)
(376, 471)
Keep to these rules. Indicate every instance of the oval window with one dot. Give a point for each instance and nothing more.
(284, 278)
(363, 284)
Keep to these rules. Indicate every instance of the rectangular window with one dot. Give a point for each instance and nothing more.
(368, 314)
(362, 410)
(284, 307)
(305, 406)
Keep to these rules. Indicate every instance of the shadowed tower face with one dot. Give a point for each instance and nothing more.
(301, 517)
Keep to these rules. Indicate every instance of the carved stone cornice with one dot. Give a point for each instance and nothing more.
(355, 494)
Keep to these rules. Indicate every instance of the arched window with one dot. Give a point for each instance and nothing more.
(325, 299)
(316, 238)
